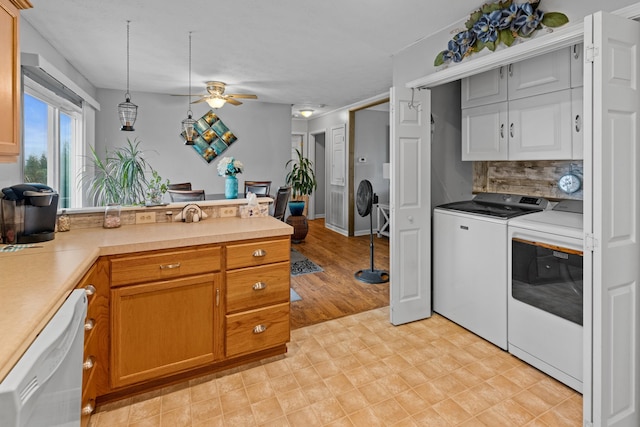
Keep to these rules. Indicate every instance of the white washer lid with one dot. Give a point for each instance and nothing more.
(567, 224)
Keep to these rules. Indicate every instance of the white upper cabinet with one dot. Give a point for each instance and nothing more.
(524, 111)
(539, 127)
(484, 88)
(543, 74)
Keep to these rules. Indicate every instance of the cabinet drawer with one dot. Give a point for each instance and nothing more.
(258, 286)
(257, 329)
(258, 253)
(164, 265)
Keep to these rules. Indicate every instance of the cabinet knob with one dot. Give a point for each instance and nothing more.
(511, 130)
(510, 70)
(89, 407)
(502, 130)
(89, 324)
(578, 123)
(88, 363)
(258, 286)
(259, 329)
(89, 290)
(576, 51)
(259, 253)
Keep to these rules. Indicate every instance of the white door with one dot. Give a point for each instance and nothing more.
(612, 217)
(410, 205)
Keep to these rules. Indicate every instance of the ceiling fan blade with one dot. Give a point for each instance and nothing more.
(233, 101)
(242, 95)
(197, 101)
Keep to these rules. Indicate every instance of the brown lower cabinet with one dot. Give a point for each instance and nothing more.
(160, 317)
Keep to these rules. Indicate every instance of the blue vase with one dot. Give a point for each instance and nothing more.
(296, 207)
(231, 187)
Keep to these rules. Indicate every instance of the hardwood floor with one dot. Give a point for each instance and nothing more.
(335, 292)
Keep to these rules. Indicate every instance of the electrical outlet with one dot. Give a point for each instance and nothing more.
(145, 217)
(228, 211)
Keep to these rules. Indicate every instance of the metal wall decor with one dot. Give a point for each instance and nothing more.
(212, 137)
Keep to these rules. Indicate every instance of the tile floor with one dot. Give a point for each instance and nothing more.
(362, 371)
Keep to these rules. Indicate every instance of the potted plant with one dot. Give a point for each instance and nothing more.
(121, 178)
(302, 180)
(156, 189)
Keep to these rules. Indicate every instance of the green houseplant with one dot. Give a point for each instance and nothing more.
(121, 177)
(302, 180)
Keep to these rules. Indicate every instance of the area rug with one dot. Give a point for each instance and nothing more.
(294, 296)
(300, 264)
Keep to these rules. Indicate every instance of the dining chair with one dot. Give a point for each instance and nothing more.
(186, 195)
(259, 188)
(180, 186)
(280, 205)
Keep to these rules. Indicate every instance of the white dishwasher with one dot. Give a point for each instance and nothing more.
(470, 261)
(45, 387)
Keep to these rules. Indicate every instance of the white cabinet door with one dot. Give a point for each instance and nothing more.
(543, 74)
(577, 65)
(338, 155)
(539, 127)
(484, 88)
(484, 132)
(577, 131)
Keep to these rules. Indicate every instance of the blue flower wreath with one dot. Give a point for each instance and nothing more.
(495, 23)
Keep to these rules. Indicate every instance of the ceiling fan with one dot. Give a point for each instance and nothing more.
(217, 98)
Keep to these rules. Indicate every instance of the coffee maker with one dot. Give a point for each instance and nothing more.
(28, 213)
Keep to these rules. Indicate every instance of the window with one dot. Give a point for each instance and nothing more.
(52, 147)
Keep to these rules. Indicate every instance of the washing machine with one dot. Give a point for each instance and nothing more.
(470, 260)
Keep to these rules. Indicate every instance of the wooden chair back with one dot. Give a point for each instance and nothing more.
(280, 205)
(259, 188)
(180, 186)
(186, 195)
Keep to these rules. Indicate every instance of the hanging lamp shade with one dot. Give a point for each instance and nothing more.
(127, 110)
(216, 102)
(187, 124)
(188, 130)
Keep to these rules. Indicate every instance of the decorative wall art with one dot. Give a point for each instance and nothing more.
(213, 136)
(498, 23)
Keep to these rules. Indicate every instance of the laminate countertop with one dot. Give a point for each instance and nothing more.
(36, 281)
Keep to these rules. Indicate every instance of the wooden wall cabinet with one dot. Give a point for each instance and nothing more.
(9, 81)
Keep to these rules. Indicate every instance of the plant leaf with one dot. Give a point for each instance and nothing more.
(473, 18)
(506, 37)
(480, 45)
(491, 46)
(438, 61)
(554, 19)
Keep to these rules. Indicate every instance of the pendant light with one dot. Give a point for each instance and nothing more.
(127, 111)
(187, 124)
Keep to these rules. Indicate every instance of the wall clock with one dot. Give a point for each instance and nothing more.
(569, 183)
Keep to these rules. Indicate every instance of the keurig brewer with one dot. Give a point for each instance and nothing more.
(28, 213)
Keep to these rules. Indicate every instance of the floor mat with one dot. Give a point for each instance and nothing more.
(300, 264)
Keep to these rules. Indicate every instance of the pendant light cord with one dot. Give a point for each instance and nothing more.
(189, 112)
(127, 95)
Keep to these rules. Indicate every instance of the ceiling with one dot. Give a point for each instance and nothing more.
(320, 54)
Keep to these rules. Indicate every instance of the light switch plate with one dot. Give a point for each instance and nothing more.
(145, 217)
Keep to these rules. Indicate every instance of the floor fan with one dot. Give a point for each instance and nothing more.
(365, 198)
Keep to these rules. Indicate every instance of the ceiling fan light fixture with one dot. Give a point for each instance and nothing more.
(127, 111)
(306, 113)
(215, 102)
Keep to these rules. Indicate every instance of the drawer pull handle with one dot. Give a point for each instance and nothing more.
(259, 253)
(90, 290)
(89, 324)
(258, 286)
(88, 363)
(578, 123)
(259, 329)
(89, 407)
(170, 266)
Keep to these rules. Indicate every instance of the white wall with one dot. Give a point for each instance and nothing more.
(371, 143)
(263, 131)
